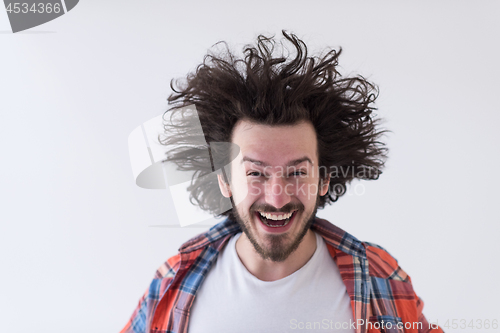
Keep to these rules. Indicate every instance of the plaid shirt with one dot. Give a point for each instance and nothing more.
(382, 297)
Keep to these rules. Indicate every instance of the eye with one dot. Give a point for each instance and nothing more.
(254, 174)
(297, 173)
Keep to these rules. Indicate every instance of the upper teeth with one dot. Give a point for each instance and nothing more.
(276, 217)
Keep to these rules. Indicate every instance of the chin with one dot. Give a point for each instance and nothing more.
(275, 242)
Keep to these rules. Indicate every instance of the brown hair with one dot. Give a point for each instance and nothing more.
(277, 90)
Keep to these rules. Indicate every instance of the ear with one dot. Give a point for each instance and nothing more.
(224, 187)
(324, 185)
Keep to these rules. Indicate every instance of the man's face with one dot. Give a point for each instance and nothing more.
(275, 184)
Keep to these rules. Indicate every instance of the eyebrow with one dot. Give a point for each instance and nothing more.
(290, 163)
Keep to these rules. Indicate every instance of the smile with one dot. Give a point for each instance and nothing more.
(276, 220)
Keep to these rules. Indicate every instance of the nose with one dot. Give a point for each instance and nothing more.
(276, 193)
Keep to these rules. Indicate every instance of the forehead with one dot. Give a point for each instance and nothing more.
(276, 144)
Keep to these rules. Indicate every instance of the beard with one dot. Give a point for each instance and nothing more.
(280, 246)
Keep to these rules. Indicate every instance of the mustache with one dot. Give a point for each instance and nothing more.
(288, 208)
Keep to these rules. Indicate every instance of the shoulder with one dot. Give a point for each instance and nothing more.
(169, 267)
(215, 237)
(382, 264)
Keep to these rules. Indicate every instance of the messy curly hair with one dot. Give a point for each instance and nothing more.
(275, 89)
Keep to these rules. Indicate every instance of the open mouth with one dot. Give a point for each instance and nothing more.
(276, 220)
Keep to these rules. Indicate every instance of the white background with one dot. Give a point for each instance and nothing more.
(77, 244)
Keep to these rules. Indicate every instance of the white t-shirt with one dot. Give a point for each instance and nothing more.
(232, 300)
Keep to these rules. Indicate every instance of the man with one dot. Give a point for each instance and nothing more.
(302, 133)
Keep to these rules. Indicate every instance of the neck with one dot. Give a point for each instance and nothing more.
(267, 270)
